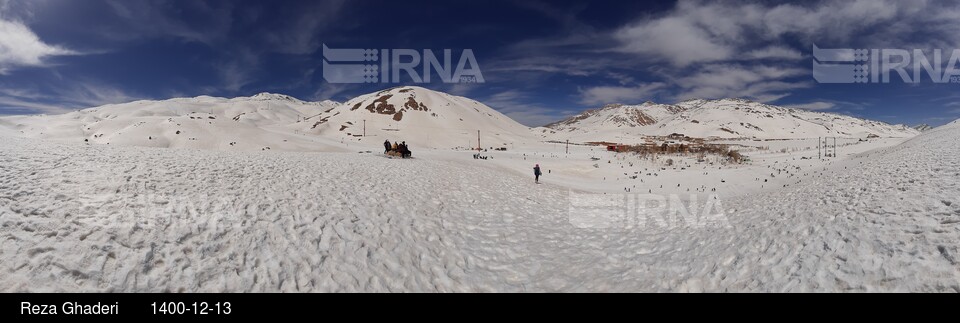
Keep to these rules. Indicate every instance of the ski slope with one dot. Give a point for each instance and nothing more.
(81, 218)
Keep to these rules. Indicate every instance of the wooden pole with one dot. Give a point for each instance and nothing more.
(478, 141)
(568, 146)
(834, 146)
(364, 127)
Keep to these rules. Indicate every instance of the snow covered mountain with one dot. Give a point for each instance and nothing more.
(245, 123)
(422, 117)
(726, 118)
(923, 127)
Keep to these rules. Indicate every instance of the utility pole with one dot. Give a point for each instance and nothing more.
(478, 141)
(834, 146)
(568, 146)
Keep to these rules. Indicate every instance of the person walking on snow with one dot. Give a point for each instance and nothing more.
(386, 146)
(536, 174)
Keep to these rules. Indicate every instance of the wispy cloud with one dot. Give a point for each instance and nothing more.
(704, 49)
(87, 93)
(20, 105)
(21, 47)
(703, 32)
(237, 69)
(620, 94)
(300, 34)
(69, 97)
(331, 91)
(764, 83)
(227, 30)
(461, 89)
(515, 104)
(814, 106)
(774, 52)
(157, 18)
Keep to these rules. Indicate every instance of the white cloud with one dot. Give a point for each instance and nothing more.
(26, 99)
(80, 94)
(814, 106)
(758, 82)
(676, 39)
(774, 52)
(330, 91)
(461, 89)
(704, 32)
(85, 94)
(620, 94)
(729, 49)
(42, 108)
(20, 47)
(513, 104)
(622, 78)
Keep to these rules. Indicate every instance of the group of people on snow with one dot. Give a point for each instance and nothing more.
(397, 149)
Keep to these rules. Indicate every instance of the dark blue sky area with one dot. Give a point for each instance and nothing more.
(541, 60)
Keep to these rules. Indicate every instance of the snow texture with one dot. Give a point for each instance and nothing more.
(77, 217)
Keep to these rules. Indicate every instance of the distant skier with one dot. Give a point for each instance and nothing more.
(536, 174)
(386, 146)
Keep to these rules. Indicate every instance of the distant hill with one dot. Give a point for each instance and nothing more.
(726, 118)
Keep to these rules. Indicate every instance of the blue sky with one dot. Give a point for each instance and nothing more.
(541, 60)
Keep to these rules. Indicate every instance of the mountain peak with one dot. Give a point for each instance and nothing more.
(737, 100)
(266, 96)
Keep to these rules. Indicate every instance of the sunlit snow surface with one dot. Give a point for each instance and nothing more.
(77, 217)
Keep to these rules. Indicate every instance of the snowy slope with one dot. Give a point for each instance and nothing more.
(245, 123)
(614, 116)
(726, 118)
(423, 117)
(111, 218)
(7, 128)
(923, 127)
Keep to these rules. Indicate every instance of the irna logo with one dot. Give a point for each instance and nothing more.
(878, 65)
(359, 65)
